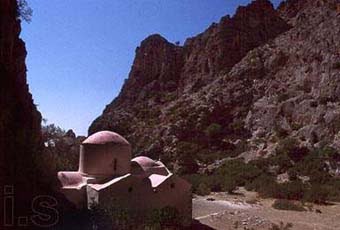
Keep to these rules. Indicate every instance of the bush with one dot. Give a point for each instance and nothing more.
(318, 194)
(186, 155)
(203, 189)
(24, 12)
(282, 204)
(336, 65)
(213, 130)
(258, 175)
(237, 127)
(314, 166)
(321, 185)
(291, 191)
(282, 161)
(195, 180)
(239, 171)
(293, 174)
(229, 185)
(287, 145)
(297, 153)
(334, 190)
(215, 183)
(265, 185)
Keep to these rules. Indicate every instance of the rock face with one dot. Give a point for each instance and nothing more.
(237, 88)
(19, 118)
(224, 44)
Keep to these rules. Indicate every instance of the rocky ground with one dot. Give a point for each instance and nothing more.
(245, 210)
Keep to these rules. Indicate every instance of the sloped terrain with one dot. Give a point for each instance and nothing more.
(238, 88)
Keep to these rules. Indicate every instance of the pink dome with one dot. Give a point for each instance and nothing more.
(105, 137)
(146, 162)
(148, 166)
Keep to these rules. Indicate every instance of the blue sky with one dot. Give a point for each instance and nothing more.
(80, 51)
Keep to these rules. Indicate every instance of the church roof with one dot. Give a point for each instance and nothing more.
(150, 166)
(105, 137)
(146, 162)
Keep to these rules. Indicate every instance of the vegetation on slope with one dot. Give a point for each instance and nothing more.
(310, 175)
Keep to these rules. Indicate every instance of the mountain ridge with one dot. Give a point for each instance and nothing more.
(214, 106)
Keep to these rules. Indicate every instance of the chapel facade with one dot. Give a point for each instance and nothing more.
(108, 176)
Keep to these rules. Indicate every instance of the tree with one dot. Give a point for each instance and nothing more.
(186, 154)
(24, 11)
(229, 185)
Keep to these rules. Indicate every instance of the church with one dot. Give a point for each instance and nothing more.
(108, 176)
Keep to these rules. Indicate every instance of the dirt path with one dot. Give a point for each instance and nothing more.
(247, 211)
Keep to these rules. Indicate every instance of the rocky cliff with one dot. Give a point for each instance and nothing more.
(237, 88)
(19, 118)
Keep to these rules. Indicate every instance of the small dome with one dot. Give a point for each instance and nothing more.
(105, 137)
(148, 166)
(146, 162)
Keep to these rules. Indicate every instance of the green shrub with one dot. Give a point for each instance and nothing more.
(282, 161)
(24, 12)
(294, 190)
(318, 194)
(336, 65)
(334, 190)
(239, 171)
(287, 145)
(195, 180)
(203, 189)
(321, 186)
(237, 127)
(293, 174)
(213, 130)
(298, 153)
(282, 204)
(265, 185)
(186, 155)
(229, 185)
(258, 175)
(262, 164)
(296, 126)
(215, 183)
(328, 152)
(314, 166)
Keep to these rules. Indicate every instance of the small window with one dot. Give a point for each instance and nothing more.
(115, 164)
(172, 185)
(130, 189)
